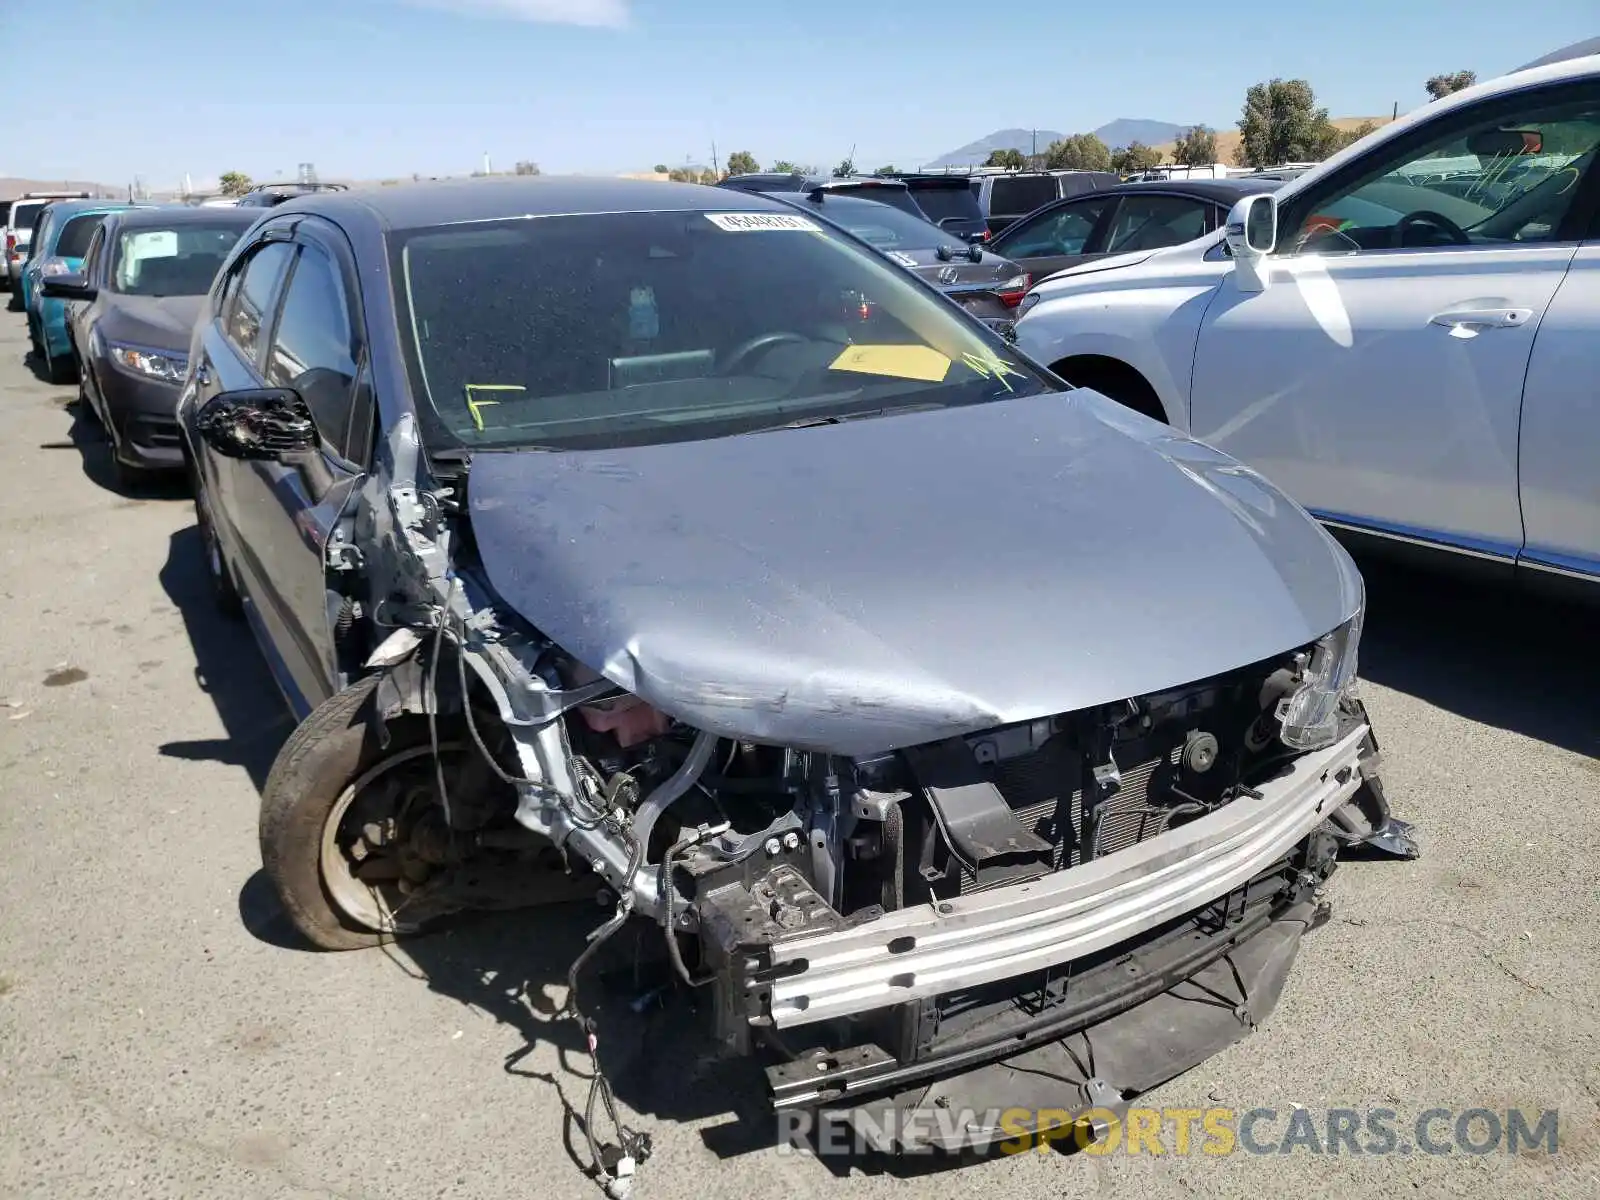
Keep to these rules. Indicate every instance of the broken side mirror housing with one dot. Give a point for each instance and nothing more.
(1250, 235)
(264, 424)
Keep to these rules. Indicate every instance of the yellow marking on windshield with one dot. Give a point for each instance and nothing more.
(901, 362)
(475, 405)
(990, 364)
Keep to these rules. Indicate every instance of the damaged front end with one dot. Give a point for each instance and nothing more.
(1058, 912)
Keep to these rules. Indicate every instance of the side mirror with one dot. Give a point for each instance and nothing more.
(1250, 235)
(265, 424)
(67, 287)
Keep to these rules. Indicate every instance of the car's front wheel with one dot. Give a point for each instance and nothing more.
(342, 818)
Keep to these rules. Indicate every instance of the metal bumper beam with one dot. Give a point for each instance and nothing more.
(920, 952)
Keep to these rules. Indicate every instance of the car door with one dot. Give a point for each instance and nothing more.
(284, 511)
(1560, 431)
(1056, 237)
(1379, 377)
(80, 314)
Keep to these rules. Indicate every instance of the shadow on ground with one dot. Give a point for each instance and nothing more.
(228, 668)
(1492, 654)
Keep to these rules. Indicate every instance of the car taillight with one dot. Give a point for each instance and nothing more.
(11, 242)
(1013, 290)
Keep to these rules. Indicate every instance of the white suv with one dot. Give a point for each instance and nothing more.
(1406, 339)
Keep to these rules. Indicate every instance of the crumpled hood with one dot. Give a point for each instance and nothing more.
(157, 322)
(887, 582)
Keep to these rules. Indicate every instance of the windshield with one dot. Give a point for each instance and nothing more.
(884, 227)
(634, 328)
(171, 262)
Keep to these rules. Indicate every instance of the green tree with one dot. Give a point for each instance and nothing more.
(1135, 156)
(1011, 160)
(1081, 151)
(1280, 123)
(784, 167)
(742, 162)
(1196, 147)
(708, 176)
(891, 169)
(684, 175)
(1331, 139)
(845, 168)
(1441, 86)
(663, 169)
(234, 183)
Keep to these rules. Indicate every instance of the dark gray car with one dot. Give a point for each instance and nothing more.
(1129, 218)
(984, 283)
(130, 316)
(589, 526)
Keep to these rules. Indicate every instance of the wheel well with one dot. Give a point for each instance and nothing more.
(1115, 380)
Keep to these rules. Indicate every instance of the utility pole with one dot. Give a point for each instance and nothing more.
(1395, 116)
(715, 168)
(1035, 153)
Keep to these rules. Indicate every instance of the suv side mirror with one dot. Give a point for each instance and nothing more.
(1251, 234)
(265, 424)
(67, 287)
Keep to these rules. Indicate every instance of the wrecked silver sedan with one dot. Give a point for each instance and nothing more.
(971, 740)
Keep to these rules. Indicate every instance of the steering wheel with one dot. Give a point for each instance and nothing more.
(759, 344)
(1426, 216)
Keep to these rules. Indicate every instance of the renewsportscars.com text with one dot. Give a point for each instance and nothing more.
(1185, 1131)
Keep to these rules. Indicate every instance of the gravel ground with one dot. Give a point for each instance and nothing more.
(162, 1034)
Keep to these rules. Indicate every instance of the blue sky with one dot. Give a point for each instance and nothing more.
(106, 89)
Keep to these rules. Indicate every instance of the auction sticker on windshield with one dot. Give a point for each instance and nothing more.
(749, 222)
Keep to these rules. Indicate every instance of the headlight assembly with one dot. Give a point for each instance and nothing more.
(152, 364)
(1310, 714)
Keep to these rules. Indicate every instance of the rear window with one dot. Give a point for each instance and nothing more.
(1016, 196)
(5, 211)
(23, 215)
(941, 202)
(75, 235)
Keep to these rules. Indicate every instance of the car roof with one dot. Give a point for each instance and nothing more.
(166, 216)
(1224, 191)
(73, 208)
(419, 205)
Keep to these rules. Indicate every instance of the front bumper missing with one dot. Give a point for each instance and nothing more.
(919, 953)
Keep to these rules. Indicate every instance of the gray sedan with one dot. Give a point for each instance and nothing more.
(886, 680)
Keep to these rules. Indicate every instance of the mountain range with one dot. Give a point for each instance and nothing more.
(1121, 132)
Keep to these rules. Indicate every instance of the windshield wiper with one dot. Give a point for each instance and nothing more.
(841, 418)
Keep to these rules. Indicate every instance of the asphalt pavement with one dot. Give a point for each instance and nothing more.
(163, 1034)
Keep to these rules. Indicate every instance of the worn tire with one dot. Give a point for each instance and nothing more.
(333, 746)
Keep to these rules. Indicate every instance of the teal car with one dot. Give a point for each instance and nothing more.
(59, 243)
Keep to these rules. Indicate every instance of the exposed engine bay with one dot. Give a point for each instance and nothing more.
(878, 921)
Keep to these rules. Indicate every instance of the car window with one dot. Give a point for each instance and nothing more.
(1063, 230)
(312, 348)
(179, 261)
(1502, 180)
(882, 226)
(942, 203)
(1150, 222)
(25, 213)
(76, 233)
(91, 256)
(604, 330)
(250, 305)
(1021, 194)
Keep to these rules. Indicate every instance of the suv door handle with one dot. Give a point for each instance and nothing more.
(1470, 322)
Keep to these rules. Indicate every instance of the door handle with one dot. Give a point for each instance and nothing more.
(202, 374)
(1470, 322)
